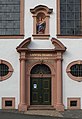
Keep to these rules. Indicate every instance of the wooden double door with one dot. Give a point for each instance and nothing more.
(40, 91)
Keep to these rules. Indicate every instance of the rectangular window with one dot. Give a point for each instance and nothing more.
(10, 18)
(73, 103)
(69, 18)
(8, 103)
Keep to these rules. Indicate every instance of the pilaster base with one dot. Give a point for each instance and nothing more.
(22, 107)
(60, 107)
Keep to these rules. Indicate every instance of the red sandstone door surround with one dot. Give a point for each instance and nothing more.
(51, 58)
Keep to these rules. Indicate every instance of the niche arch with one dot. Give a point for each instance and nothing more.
(41, 15)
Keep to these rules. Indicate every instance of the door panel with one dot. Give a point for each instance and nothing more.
(40, 91)
(46, 91)
(34, 91)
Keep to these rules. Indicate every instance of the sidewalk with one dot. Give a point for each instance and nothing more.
(72, 114)
(54, 113)
(41, 114)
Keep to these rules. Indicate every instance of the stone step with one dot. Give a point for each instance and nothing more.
(40, 107)
(46, 112)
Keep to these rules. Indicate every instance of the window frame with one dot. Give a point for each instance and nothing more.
(74, 99)
(8, 99)
(2, 78)
(21, 35)
(79, 79)
(58, 24)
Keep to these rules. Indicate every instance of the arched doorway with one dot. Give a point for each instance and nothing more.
(40, 85)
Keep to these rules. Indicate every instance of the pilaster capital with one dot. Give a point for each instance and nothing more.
(59, 56)
(34, 15)
(23, 56)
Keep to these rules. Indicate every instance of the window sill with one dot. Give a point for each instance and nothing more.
(70, 36)
(78, 79)
(11, 36)
(2, 78)
(41, 36)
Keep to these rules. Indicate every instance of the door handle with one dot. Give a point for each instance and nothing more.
(40, 97)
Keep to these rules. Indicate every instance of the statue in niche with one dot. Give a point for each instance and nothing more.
(41, 25)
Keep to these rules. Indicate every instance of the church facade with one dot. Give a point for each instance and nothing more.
(40, 54)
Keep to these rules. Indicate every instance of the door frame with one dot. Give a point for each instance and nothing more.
(50, 57)
(53, 81)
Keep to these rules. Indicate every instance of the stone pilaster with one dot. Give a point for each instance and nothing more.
(59, 103)
(22, 105)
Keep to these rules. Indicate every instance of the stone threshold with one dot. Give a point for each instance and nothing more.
(41, 107)
(46, 112)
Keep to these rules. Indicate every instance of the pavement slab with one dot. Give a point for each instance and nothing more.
(43, 114)
(12, 115)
